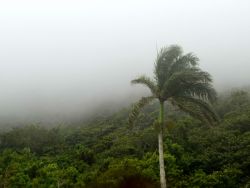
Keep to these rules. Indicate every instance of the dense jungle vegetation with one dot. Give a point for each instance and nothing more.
(106, 153)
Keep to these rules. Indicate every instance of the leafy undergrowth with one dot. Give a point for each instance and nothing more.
(105, 152)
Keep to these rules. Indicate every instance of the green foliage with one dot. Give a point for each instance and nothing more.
(120, 172)
(178, 80)
(37, 138)
(235, 102)
(104, 153)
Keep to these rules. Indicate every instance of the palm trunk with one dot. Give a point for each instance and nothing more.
(160, 140)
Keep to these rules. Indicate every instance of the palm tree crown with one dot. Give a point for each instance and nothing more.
(179, 80)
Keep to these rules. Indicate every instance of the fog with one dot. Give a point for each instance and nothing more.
(65, 59)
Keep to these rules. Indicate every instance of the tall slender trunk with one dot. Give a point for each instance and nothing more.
(160, 140)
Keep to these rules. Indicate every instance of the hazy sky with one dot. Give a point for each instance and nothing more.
(57, 57)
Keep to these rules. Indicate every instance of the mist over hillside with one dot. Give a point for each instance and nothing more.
(124, 94)
(62, 60)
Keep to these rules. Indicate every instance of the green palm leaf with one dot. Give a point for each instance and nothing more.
(192, 81)
(144, 80)
(136, 108)
(165, 58)
(197, 108)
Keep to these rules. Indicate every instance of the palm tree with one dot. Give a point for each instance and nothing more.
(178, 80)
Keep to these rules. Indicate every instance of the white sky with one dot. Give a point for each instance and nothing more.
(62, 56)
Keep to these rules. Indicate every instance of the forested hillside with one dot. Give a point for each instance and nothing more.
(107, 153)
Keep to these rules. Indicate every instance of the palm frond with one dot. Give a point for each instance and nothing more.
(193, 74)
(184, 62)
(165, 58)
(136, 108)
(204, 91)
(193, 82)
(144, 80)
(196, 108)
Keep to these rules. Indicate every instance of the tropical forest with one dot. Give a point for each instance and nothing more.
(124, 94)
(184, 134)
